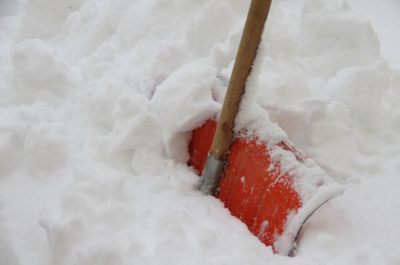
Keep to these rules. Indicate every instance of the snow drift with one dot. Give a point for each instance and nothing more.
(97, 99)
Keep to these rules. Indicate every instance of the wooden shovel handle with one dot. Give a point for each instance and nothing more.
(245, 57)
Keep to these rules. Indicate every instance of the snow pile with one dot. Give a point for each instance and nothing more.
(97, 99)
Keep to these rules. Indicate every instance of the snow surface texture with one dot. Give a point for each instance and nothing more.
(97, 98)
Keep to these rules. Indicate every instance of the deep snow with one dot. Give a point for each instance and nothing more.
(97, 99)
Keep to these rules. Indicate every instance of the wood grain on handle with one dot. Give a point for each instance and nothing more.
(245, 57)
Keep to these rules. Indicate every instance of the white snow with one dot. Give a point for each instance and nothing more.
(98, 98)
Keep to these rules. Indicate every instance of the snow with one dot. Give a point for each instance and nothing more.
(98, 98)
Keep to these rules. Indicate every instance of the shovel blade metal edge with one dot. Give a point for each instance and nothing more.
(255, 190)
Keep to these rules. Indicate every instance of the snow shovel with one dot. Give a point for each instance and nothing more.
(273, 189)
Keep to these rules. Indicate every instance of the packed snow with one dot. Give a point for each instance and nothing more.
(98, 99)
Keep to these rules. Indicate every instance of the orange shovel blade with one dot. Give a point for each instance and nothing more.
(253, 187)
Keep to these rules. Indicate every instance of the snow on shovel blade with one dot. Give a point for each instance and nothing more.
(272, 189)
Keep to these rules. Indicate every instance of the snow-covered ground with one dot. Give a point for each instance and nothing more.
(385, 19)
(98, 98)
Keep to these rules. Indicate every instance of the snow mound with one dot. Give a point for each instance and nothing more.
(97, 99)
